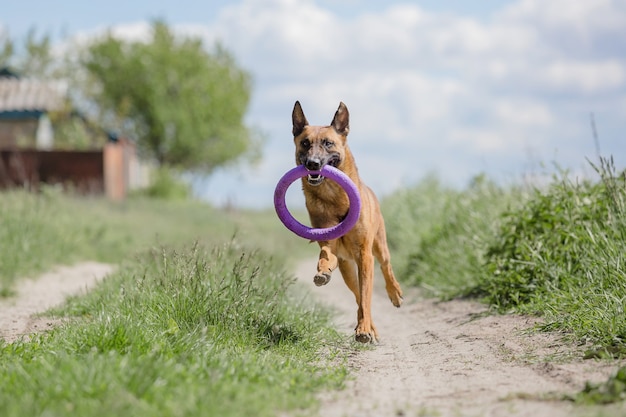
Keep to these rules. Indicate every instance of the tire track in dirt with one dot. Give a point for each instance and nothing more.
(450, 359)
(18, 314)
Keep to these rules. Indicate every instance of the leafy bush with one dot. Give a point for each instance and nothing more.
(167, 186)
(562, 255)
(558, 251)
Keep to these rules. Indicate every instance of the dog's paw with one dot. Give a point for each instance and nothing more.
(366, 334)
(365, 338)
(397, 300)
(395, 294)
(322, 278)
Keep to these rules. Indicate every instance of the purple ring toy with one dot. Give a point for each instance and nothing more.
(311, 233)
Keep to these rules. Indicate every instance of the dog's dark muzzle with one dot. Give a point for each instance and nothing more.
(314, 179)
(314, 164)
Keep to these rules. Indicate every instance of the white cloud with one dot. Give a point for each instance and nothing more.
(583, 16)
(590, 28)
(522, 114)
(585, 77)
(429, 91)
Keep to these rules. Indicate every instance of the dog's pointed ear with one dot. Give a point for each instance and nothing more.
(298, 119)
(341, 121)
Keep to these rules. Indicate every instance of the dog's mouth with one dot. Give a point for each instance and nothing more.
(314, 179)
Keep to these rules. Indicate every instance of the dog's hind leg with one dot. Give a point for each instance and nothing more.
(381, 252)
(326, 264)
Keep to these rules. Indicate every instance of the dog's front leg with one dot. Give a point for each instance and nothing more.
(326, 264)
(365, 330)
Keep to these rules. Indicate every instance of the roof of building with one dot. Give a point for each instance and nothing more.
(28, 95)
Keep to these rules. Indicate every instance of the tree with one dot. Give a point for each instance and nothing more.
(34, 59)
(183, 104)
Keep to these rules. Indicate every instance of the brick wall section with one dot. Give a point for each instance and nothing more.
(81, 172)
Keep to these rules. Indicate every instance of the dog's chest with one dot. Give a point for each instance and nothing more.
(329, 207)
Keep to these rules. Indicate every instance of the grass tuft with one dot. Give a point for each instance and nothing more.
(180, 331)
(610, 391)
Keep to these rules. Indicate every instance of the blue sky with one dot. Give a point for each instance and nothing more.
(454, 88)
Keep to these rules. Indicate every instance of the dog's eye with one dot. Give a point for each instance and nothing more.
(328, 143)
(305, 143)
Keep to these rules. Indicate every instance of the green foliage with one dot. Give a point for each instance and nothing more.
(193, 331)
(167, 186)
(72, 131)
(410, 214)
(32, 57)
(184, 105)
(611, 391)
(558, 251)
(563, 256)
(439, 235)
(543, 245)
(34, 233)
(38, 232)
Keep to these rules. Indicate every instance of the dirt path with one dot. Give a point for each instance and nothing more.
(446, 359)
(18, 314)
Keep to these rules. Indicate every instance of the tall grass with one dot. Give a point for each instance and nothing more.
(438, 235)
(47, 229)
(563, 256)
(190, 331)
(35, 231)
(558, 251)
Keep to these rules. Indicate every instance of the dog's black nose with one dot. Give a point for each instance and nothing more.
(313, 164)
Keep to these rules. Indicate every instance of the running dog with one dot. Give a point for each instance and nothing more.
(327, 205)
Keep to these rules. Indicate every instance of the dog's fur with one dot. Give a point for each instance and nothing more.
(328, 204)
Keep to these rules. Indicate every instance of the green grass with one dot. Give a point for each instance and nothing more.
(210, 331)
(556, 251)
(611, 391)
(562, 256)
(199, 319)
(190, 331)
(438, 235)
(40, 231)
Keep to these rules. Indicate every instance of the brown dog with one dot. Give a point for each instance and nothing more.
(328, 204)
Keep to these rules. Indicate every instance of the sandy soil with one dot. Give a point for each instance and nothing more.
(449, 359)
(18, 314)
